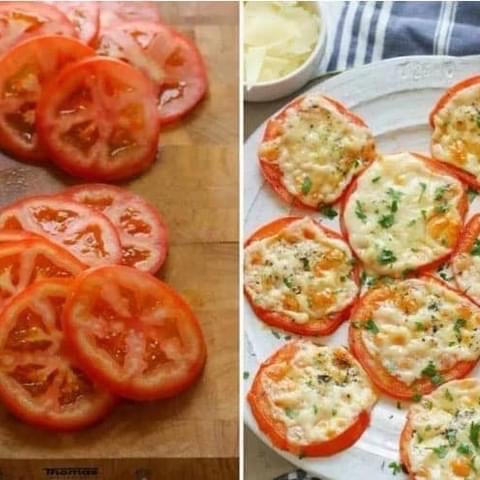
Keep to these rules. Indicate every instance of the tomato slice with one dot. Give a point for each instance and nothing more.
(320, 326)
(23, 74)
(85, 16)
(133, 333)
(97, 119)
(272, 370)
(142, 231)
(39, 381)
(24, 261)
(20, 21)
(168, 58)
(114, 12)
(16, 236)
(85, 233)
(380, 376)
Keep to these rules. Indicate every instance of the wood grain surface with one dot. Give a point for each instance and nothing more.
(194, 184)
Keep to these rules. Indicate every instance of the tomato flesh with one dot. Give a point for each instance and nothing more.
(112, 13)
(143, 233)
(86, 234)
(97, 120)
(168, 58)
(133, 333)
(23, 75)
(39, 381)
(85, 16)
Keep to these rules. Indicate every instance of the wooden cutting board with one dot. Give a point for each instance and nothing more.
(194, 184)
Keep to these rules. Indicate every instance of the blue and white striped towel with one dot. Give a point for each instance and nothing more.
(364, 32)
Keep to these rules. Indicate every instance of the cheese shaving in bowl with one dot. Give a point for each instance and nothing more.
(278, 38)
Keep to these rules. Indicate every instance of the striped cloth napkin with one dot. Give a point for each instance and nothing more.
(364, 32)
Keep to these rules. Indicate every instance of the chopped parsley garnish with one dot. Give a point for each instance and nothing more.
(290, 412)
(387, 221)
(306, 185)
(451, 437)
(371, 326)
(360, 213)
(431, 372)
(395, 467)
(246, 375)
(477, 120)
(315, 409)
(440, 452)
(473, 435)
(328, 212)
(275, 334)
(441, 208)
(423, 187)
(440, 192)
(419, 326)
(475, 251)
(288, 282)
(416, 397)
(399, 405)
(376, 179)
(464, 449)
(459, 324)
(306, 264)
(386, 257)
(472, 194)
(448, 395)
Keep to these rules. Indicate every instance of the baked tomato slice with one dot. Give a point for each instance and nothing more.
(300, 276)
(311, 400)
(24, 261)
(20, 21)
(85, 16)
(413, 335)
(85, 233)
(112, 13)
(23, 74)
(97, 120)
(142, 231)
(133, 333)
(170, 59)
(40, 382)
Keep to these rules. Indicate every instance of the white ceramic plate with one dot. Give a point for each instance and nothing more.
(394, 97)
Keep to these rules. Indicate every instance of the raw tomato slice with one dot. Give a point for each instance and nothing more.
(112, 13)
(85, 16)
(97, 119)
(25, 261)
(39, 381)
(20, 21)
(170, 59)
(85, 233)
(142, 231)
(133, 334)
(23, 74)
(16, 236)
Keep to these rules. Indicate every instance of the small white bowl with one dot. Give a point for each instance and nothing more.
(267, 91)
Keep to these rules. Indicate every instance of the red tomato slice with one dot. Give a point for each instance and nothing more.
(20, 21)
(24, 261)
(85, 16)
(133, 333)
(258, 399)
(168, 58)
(114, 12)
(324, 326)
(86, 234)
(97, 119)
(379, 375)
(16, 236)
(142, 231)
(23, 74)
(272, 172)
(39, 381)
(435, 166)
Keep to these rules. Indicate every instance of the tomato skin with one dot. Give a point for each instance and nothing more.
(170, 59)
(276, 431)
(378, 374)
(462, 209)
(50, 418)
(60, 50)
(272, 172)
(97, 167)
(280, 320)
(121, 200)
(131, 388)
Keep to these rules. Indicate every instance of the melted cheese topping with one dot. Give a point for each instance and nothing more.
(441, 446)
(466, 267)
(419, 328)
(403, 214)
(456, 135)
(319, 150)
(300, 272)
(318, 393)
